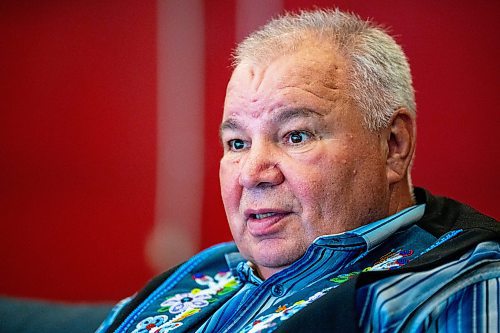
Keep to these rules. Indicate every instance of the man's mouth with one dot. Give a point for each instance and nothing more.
(265, 222)
(262, 216)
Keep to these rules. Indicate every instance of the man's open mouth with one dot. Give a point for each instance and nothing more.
(262, 216)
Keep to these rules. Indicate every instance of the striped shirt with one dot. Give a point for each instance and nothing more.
(459, 296)
(385, 305)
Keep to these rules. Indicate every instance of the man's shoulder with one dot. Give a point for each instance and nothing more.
(417, 296)
(208, 269)
(443, 215)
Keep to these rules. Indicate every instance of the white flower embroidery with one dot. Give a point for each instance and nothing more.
(182, 302)
(214, 283)
(156, 324)
(282, 314)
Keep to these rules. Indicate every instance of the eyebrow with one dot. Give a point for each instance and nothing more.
(281, 117)
(229, 124)
(289, 114)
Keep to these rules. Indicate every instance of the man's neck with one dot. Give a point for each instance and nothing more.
(401, 197)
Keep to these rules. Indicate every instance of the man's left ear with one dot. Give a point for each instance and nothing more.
(401, 142)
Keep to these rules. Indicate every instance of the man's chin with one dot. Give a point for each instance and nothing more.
(275, 259)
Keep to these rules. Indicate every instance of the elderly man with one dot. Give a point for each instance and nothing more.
(319, 135)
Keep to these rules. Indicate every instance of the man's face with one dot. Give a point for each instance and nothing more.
(297, 162)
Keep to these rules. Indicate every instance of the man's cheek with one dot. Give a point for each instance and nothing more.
(309, 186)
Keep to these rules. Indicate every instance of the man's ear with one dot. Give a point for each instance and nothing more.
(401, 143)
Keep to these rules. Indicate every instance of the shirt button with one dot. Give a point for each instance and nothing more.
(278, 290)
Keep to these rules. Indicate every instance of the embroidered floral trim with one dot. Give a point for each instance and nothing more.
(187, 301)
(391, 260)
(282, 313)
(184, 305)
(155, 324)
(269, 322)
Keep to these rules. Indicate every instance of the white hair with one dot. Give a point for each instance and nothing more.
(378, 74)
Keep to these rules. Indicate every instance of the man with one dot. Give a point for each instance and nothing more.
(319, 135)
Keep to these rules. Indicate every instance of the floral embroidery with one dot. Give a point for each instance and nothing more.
(182, 302)
(185, 314)
(156, 324)
(187, 304)
(391, 260)
(344, 277)
(222, 282)
(282, 313)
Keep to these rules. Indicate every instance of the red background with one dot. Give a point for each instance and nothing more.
(78, 129)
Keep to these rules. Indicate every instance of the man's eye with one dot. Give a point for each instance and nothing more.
(297, 137)
(236, 144)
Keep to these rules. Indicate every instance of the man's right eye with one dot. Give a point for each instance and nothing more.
(236, 144)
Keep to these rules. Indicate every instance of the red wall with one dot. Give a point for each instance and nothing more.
(78, 123)
(77, 146)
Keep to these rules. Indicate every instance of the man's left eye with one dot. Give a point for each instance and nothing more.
(297, 137)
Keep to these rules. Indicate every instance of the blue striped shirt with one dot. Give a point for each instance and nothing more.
(384, 305)
(460, 296)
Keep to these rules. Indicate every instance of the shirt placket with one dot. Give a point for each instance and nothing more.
(275, 289)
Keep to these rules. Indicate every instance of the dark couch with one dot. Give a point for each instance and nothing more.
(30, 316)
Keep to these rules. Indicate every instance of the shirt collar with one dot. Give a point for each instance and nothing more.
(372, 234)
(376, 232)
(241, 269)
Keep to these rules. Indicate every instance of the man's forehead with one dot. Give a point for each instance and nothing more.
(313, 62)
(280, 116)
(307, 79)
(306, 92)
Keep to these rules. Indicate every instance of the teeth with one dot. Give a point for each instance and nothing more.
(262, 216)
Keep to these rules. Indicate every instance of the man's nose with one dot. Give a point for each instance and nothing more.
(260, 167)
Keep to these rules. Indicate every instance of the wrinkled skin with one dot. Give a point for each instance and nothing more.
(297, 161)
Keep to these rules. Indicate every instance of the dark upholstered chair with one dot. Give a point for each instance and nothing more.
(30, 316)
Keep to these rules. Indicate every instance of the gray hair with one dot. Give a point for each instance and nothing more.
(378, 73)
